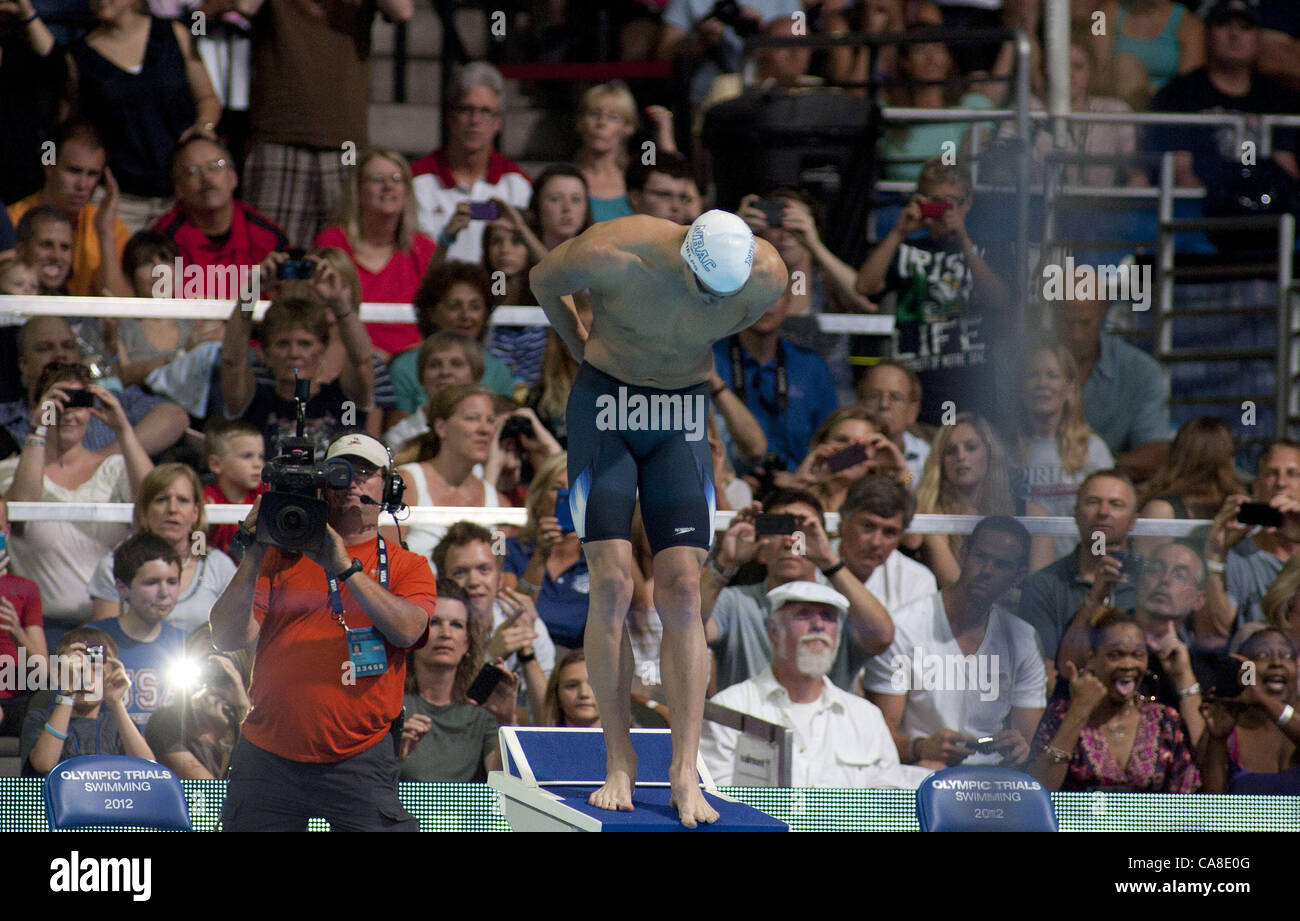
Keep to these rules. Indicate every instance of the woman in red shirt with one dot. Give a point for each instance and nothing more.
(377, 229)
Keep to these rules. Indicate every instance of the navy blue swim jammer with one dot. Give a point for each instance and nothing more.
(625, 438)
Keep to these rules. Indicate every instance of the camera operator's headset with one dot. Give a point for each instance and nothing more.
(394, 487)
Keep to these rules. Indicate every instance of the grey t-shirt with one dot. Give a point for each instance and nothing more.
(96, 736)
(743, 648)
(454, 749)
(1248, 572)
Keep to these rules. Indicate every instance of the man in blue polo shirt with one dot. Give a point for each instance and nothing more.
(1125, 398)
(789, 389)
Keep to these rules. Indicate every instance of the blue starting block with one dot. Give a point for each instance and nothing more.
(550, 772)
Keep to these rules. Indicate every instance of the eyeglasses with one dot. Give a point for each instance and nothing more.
(886, 396)
(361, 473)
(390, 179)
(1179, 573)
(212, 168)
(1263, 655)
(470, 111)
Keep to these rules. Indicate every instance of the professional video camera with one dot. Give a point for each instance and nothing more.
(293, 514)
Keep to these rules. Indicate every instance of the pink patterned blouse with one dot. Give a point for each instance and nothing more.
(1163, 760)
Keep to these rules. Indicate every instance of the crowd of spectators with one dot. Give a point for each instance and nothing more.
(137, 151)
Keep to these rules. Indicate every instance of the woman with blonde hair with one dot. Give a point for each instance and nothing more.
(378, 230)
(966, 473)
(607, 119)
(1196, 477)
(546, 559)
(463, 433)
(170, 505)
(1055, 449)
(821, 472)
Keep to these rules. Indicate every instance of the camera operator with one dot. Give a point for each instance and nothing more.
(322, 736)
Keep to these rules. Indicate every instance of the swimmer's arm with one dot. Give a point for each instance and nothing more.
(566, 269)
(766, 286)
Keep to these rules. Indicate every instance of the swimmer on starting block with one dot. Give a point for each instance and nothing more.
(661, 295)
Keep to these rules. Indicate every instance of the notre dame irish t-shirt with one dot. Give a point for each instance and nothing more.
(939, 333)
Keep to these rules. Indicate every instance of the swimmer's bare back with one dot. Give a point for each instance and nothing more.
(652, 323)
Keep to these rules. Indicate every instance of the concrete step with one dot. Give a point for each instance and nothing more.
(412, 130)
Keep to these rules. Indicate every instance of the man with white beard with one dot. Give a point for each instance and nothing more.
(840, 740)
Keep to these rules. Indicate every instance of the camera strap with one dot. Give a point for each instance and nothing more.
(336, 596)
(738, 378)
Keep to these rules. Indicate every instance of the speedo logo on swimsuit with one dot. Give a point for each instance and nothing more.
(701, 252)
(659, 412)
(682, 530)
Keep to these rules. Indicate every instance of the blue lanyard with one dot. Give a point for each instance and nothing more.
(336, 597)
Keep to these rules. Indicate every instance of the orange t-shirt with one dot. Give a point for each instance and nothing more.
(301, 709)
(85, 244)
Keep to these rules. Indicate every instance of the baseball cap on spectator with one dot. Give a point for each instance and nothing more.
(356, 444)
(1227, 9)
(800, 591)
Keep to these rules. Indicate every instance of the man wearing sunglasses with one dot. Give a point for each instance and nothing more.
(209, 226)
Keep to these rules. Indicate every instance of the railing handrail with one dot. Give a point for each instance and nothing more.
(220, 309)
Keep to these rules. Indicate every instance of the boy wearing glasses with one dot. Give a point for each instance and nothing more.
(944, 292)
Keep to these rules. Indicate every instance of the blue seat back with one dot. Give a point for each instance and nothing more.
(115, 791)
(969, 798)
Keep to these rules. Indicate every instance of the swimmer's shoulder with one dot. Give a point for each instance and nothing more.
(638, 233)
(769, 274)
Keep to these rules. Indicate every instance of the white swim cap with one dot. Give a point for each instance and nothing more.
(719, 248)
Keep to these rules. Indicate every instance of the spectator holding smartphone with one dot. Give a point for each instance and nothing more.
(947, 296)
(55, 466)
(467, 167)
(546, 560)
(508, 617)
(294, 334)
(1251, 735)
(735, 616)
(90, 720)
(1243, 561)
(22, 633)
(447, 737)
(850, 444)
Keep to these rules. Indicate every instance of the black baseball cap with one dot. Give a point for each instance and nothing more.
(1227, 9)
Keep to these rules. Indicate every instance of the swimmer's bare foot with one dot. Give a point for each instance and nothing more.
(688, 799)
(620, 777)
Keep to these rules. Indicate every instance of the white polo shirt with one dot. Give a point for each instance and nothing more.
(900, 580)
(543, 647)
(946, 690)
(437, 194)
(839, 740)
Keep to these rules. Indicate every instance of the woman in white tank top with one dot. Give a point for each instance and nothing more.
(464, 431)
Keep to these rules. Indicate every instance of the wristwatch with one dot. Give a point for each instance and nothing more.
(524, 658)
(351, 571)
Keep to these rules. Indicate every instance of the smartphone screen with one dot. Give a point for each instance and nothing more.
(563, 512)
(934, 209)
(489, 676)
(846, 457)
(483, 211)
(775, 524)
(1260, 513)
